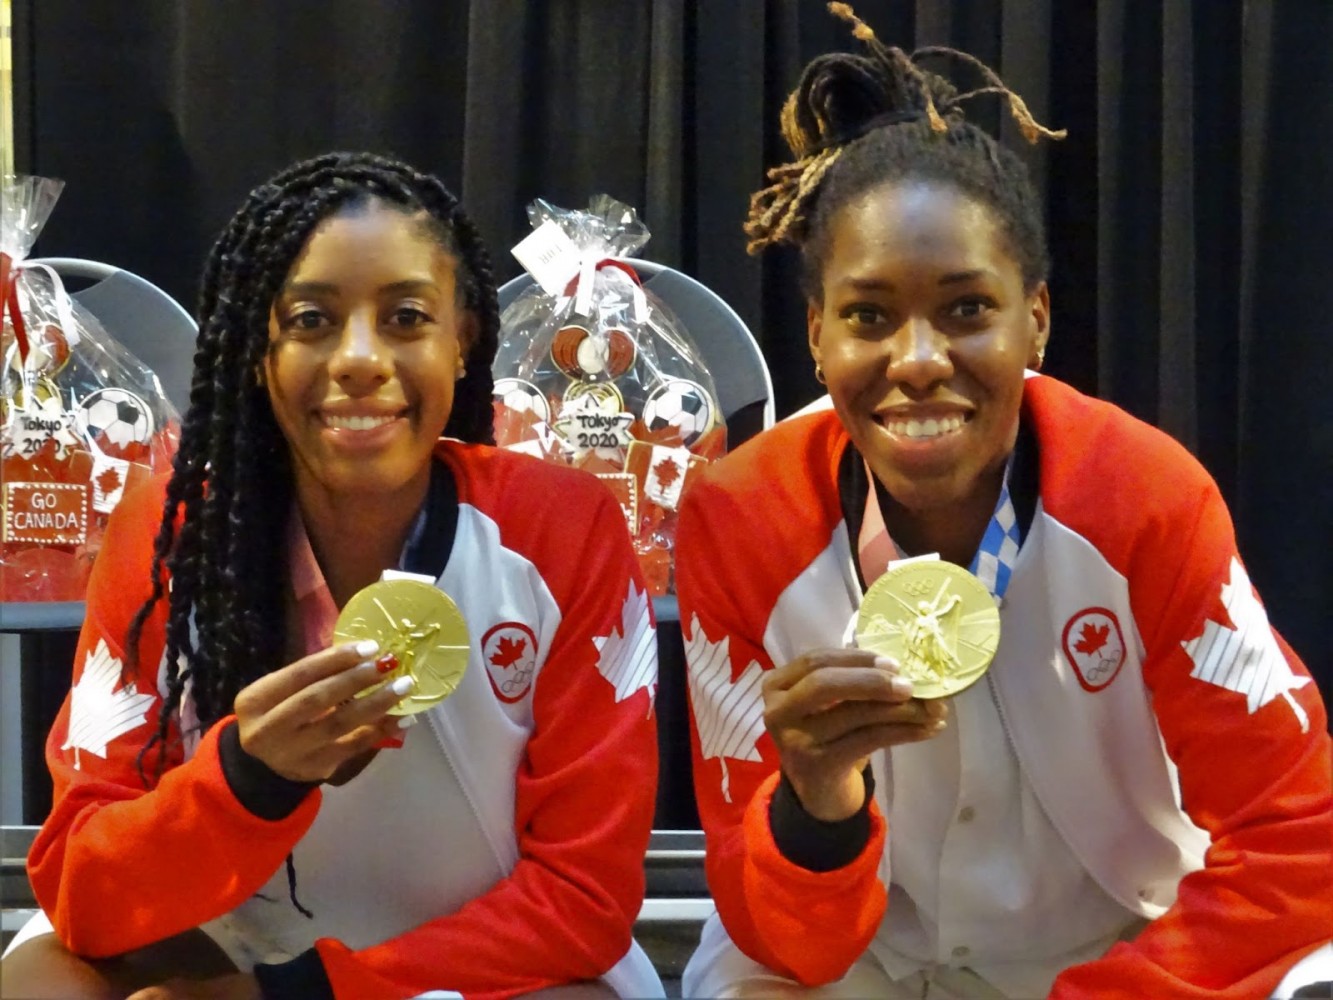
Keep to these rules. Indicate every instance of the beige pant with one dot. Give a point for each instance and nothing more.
(719, 969)
(866, 979)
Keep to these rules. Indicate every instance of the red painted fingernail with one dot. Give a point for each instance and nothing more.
(386, 663)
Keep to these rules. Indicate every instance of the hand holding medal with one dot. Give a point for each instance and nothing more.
(420, 632)
(936, 619)
(828, 710)
(400, 646)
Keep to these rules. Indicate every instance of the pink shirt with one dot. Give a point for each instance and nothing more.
(314, 603)
(874, 547)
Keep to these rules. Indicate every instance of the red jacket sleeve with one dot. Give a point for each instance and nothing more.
(119, 864)
(1243, 722)
(806, 925)
(585, 796)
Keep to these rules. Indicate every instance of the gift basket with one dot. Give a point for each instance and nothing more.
(81, 419)
(595, 372)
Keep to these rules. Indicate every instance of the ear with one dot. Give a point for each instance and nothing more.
(261, 369)
(1040, 305)
(814, 326)
(468, 332)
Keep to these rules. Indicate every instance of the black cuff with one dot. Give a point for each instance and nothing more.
(303, 978)
(257, 786)
(814, 844)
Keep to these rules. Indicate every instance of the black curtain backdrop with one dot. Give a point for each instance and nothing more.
(1189, 209)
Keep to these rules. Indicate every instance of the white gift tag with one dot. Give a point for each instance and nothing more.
(549, 256)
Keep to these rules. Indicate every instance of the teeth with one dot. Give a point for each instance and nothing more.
(355, 423)
(917, 429)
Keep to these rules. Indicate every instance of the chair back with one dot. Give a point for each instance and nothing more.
(729, 350)
(745, 394)
(145, 320)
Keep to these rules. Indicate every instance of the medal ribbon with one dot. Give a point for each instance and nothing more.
(993, 564)
(9, 302)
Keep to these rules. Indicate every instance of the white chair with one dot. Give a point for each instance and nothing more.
(676, 887)
(145, 320)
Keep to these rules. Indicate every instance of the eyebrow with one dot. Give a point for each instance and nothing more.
(879, 285)
(315, 288)
(956, 277)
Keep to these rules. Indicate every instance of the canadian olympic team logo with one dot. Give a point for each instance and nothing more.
(510, 653)
(1094, 647)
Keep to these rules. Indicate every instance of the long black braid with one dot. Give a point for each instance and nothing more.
(857, 121)
(230, 492)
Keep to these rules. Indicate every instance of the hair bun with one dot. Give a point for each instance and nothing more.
(837, 95)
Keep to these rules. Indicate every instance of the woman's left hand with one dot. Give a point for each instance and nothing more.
(237, 986)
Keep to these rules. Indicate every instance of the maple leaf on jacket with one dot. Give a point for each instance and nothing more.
(98, 712)
(729, 714)
(508, 651)
(1092, 637)
(628, 654)
(1245, 658)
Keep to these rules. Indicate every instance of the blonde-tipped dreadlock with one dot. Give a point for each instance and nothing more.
(842, 97)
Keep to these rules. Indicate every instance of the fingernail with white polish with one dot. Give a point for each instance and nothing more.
(886, 663)
(402, 686)
(367, 648)
(407, 721)
(901, 686)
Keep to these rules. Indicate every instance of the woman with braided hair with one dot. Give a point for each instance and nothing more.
(237, 811)
(1134, 801)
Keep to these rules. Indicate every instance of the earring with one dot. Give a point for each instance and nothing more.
(1041, 356)
(819, 374)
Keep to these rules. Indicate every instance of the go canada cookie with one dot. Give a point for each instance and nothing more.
(418, 626)
(936, 619)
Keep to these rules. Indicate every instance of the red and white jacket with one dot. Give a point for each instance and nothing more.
(553, 749)
(1136, 671)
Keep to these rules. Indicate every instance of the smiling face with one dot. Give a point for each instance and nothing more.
(923, 333)
(366, 339)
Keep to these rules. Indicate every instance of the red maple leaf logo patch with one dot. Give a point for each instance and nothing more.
(1092, 638)
(667, 472)
(508, 651)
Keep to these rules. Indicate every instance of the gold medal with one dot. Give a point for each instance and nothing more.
(420, 627)
(937, 620)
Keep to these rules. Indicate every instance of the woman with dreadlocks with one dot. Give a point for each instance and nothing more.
(1026, 836)
(214, 768)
